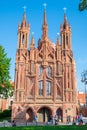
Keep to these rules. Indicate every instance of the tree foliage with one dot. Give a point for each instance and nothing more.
(6, 88)
(83, 5)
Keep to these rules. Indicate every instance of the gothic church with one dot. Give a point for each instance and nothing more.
(45, 76)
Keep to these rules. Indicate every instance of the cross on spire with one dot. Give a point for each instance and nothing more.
(32, 33)
(45, 5)
(24, 7)
(58, 34)
(64, 10)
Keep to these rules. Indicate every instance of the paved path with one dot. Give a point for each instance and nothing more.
(7, 124)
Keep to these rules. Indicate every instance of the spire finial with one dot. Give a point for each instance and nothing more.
(32, 40)
(58, 40)
(24, 17)
(65, 18)
(24, 7)
(44, 6)
(44, 26)
(32, 34)
(45, 21)
(64, 10)
(57, 34)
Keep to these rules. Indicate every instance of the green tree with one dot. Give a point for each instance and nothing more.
(83, 5)
(6, 88)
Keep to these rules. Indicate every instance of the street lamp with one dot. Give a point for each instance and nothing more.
(84, 80)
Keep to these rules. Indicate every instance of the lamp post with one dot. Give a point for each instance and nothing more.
(84, 80)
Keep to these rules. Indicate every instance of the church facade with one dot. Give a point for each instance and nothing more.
(45, 76)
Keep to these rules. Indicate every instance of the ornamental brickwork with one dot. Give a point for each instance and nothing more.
(45, 76)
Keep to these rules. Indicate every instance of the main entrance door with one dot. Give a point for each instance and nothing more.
(44, 114)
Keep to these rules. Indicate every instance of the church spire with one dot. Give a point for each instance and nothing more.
(65, 25)
(24, 18)
(45, 20)
(65, 19)
(32, 41)
(45, 26)
(23, 33)
(65, 32)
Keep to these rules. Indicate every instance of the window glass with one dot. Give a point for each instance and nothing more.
(48, 88)
(40, 70)
(40, 88)
(49, 71)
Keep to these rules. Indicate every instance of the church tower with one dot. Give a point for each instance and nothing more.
(45, 76)
(69, 68)
(21, 59)
(23, 34)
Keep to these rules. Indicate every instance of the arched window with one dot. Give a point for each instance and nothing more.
(67, 43)
(48, 88)
(64, 41)
(40, 70)
(23, 39)
(49, 71)
(40, 88)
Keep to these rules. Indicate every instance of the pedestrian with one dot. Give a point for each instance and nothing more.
(51, 119)
(35, 119)
(56, 119)
(13, 123)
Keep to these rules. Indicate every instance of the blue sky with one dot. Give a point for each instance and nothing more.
(11, 13)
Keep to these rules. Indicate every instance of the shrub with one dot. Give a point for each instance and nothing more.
(5, 113)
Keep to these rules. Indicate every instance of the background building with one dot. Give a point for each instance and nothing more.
(82, 103)
(6, 103)
(45, 77)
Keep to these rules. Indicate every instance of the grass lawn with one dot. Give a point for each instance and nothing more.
(84, 127)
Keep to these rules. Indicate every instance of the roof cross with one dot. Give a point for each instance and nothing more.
(44, 5)
(24, 8)
(65, 9)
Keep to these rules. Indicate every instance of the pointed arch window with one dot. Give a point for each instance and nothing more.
(40, 70)
(48, 88)
(64, 41)
(23, 39)
(67, 40)
(40, 88)
(49, 71)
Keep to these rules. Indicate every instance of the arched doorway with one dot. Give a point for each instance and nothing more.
(44, 114)
(29, 115)
(59, 114)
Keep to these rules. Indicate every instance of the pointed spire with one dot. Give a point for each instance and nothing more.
(32, 41)
(45, 20)
(65, 25)
(44, 26)
(24, 17)
(65, 19)
(24, 20)
(58, 39)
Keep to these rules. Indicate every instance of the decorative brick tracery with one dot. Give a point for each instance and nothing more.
(51, 66)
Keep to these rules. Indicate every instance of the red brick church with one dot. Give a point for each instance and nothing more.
(45, 76)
